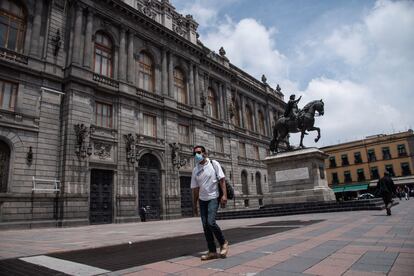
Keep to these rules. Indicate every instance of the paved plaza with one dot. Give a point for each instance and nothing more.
(345, 243)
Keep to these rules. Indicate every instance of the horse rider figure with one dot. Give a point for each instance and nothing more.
(292, 110)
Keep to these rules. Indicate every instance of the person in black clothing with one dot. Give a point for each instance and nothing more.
(143, 213)
(386, 188)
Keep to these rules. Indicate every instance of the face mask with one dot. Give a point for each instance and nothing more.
(198, 158)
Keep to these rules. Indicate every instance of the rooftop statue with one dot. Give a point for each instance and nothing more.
(295, 120)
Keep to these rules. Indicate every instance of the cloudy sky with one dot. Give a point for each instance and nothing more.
(358, 56)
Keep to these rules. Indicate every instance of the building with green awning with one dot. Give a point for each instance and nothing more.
(350, 188)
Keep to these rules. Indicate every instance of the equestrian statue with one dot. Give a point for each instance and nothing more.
(295, 120)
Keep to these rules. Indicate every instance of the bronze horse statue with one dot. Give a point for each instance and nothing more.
(304, 122)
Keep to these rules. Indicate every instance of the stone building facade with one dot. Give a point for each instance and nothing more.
(101, 103)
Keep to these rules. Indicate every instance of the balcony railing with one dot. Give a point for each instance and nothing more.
(145, 94)
(105, 80)
(184, 107)
(13, 56)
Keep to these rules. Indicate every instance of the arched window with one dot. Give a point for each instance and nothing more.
(103, 55)
(4, 166)
(245, 185)
(180, 86)
(259, 184)
(249, 118)
(261, 123)
(212, 104)
(146, 72)
(12, 25)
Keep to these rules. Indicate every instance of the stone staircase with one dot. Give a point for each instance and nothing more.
(303, 208)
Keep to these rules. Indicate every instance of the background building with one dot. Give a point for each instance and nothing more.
(101, 103)
(356, 166)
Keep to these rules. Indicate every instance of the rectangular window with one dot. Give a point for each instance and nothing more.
(150, 125)
(103, 115)
(401, 150)
(332, 162)
(242, 150)
(386, 153)
(347, 176)
(374, 173)
(405, 169)
(183, 134)
(357, 157)
(371, 155)
(361, 175)
(344, 158)
(8, 95)
(335, 179)
(219, 144)
(256, 152)
(390, 169)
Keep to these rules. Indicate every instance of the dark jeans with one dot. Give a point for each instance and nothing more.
(387, 198)
(208, 211)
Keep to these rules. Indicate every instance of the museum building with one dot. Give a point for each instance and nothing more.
(101, 103)
(355, 167)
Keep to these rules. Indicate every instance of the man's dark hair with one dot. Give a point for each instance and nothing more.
(203, 149)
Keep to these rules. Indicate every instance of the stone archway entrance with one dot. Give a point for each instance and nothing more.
(149, 185)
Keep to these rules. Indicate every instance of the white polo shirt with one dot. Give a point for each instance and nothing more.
(204, 177)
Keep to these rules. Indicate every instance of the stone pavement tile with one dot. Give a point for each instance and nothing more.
(346, 256)
(395, 273)
(244, 270)
(362, 273)
(403, 268)
(125, 271)
(237, 249)
(233, 260)
(400, 249)
(296, 264)
(371, 267)
(165, 266)
(404, 261)
(146, 272)
(326, 270)
(195, 271)
(263, 262)
(354, 249)
(337, 262)
(192, 262)
(274, 272)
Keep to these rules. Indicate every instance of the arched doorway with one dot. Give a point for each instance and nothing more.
(149, 185)
(259, 183)
(4, 166)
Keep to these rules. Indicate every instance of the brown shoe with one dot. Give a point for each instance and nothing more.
(209, 256)
(224, 249)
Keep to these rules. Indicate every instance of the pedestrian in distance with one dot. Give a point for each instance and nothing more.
(207, 175)
(143, 213)
(407, 192)
(386, 189)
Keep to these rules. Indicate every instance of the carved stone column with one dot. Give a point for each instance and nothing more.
(164, 68)
(87, 57)
(243, 109)
(171, 77)
(267, 121)
(191, 85)
(122, 56)
(225, 103)
(196, 87)
(221, 100)
(37, 24)
(77, 35)
(131, 60)
(255, 117)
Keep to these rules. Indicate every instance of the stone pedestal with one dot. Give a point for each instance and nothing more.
(298, 176)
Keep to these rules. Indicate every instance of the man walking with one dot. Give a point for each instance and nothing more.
(207, 175)
(386, 189)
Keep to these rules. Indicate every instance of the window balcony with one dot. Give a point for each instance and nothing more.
(105, 80)
(13, 56)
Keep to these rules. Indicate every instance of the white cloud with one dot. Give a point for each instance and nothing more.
(249, 45)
